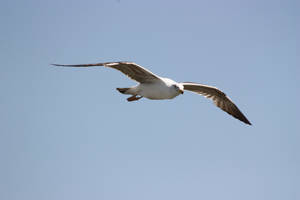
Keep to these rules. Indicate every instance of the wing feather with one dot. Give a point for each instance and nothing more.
(130, 69)
(219, 98)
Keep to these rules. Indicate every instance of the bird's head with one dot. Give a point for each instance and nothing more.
(179, 88)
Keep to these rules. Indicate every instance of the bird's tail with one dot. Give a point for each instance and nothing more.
(123, 90)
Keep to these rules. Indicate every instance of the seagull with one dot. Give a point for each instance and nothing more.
(154, 87)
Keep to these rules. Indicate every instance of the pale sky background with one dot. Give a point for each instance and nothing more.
(68, 134)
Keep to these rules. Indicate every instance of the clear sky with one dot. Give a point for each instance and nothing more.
(68, 134)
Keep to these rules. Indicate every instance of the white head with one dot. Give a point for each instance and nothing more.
(174, 85)
(179, 88)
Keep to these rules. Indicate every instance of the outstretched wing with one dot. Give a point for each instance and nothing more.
(219, 98)
(131, 69)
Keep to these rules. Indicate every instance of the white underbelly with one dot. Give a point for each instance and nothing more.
(156, 91)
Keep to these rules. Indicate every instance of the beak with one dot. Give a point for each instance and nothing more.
(181, 91)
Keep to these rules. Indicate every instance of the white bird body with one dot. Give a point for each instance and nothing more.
(157, 88)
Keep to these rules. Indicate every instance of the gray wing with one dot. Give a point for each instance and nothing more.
(131, 69)
(219, 98)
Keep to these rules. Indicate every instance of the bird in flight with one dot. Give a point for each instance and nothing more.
(154, 87)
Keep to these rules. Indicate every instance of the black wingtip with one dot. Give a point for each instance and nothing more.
(249, 123)
(238, 115)
(243, 119)
(59, 65)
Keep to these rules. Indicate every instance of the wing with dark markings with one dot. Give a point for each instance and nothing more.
(219, 98)
(130, 69)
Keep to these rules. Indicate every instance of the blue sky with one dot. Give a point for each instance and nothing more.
(68, 134)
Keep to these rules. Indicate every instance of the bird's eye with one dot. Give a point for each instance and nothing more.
(176, 87)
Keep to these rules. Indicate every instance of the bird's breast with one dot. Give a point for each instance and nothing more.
(156, 91)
